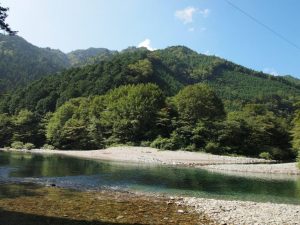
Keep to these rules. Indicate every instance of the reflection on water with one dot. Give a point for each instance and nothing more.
(89, 174)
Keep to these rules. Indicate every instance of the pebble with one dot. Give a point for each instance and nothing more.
(120, 217)
(246, 212)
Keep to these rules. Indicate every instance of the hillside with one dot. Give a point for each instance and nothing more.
(171, 69)
(88, 56)
(22, 62)
(172, 98)
(292, 79)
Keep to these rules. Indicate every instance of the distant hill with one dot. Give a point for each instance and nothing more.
(292, 79)
(89, 56)
(22, 62)
(171, 69)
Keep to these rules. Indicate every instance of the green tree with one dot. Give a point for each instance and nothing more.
(296, 135)
(6, 129)
(130, 112)
(266, 132)
(198, 102)
(66, 121)
(3, 25)
(26, 127)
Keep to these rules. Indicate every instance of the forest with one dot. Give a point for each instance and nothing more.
(172, 99)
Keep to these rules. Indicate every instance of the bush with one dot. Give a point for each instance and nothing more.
(17, 145)
(191, 148)
(212, 147)
(145, 143)
(163, 143)
(265, 155)
(279, 154)
(298, 159)
(48, 147)
(29, 146)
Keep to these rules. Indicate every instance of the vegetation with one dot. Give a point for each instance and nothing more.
(3, 25)
(22, 62)
(296, 135)
(17, 145)
(48, 147)
(169, 99)
(296, 131)
(29, 146)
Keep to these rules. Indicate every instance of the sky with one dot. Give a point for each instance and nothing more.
(266, 39)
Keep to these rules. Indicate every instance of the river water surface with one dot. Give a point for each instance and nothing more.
(90, 174)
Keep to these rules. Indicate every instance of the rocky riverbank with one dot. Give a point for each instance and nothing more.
(280, 168)
(245, 213)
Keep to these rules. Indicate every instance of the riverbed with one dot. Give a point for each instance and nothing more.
(209, 193)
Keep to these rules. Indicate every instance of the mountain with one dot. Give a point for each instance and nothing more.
(22, 62)
(171, 69)
(89, 56)
(171, 98)
(292, 79)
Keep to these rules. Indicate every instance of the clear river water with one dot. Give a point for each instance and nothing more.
(91, 174)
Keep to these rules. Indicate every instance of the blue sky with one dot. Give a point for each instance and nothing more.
(207, 26)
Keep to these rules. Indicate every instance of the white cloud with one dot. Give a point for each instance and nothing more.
(186, 15)
(191, 29)
(146, 44)
(205, 12)
(271, 71)
(207, 52)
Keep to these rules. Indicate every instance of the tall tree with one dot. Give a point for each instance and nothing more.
(296, 132)
(3, 25)
(198, 102)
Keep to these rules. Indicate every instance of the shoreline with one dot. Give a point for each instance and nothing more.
(147, 155)
(215, 211)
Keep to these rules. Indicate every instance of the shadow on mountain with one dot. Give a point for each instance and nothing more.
(18, 218)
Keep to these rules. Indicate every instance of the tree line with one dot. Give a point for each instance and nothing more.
(194, 120)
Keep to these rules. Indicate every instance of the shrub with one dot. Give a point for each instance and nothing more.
(298, 159)
(48, 147)
(29, 146)
(163, 143)
(191, 148)
(17, 145)
(212, 147)
(265, 155)
(279, 154)
(145, 143)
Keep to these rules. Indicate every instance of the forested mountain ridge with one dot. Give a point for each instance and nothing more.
(89, 56)
(171, 69)
(173, 98)
(22, 62)
(292, 79)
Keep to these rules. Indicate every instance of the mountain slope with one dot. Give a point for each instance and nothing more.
(171, 68)
(89, 56)
(292, 79)
(22, 62)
